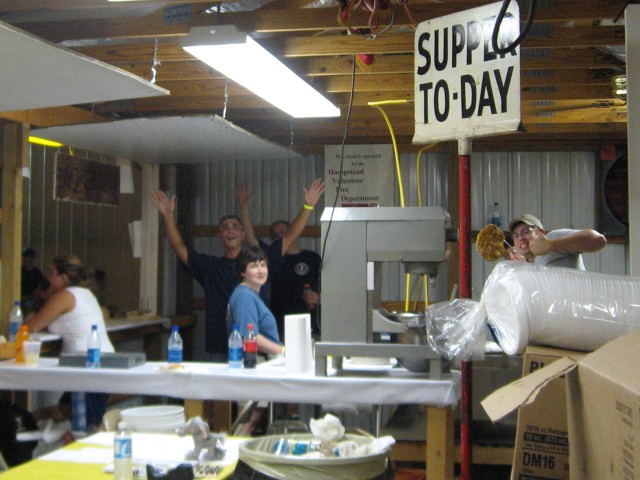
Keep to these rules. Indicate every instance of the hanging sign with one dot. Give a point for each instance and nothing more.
(87, 181)
(364, 178)
(463, 88)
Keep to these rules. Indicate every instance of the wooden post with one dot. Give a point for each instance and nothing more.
(15, 156)
(440, 445)
(150, 235)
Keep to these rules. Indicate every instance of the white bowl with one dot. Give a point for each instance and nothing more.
(158, 428)
(153, 412)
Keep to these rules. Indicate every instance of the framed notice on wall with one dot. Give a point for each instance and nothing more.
(87, 181)
(364, 178)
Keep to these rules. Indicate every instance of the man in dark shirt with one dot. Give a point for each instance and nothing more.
(215, 274)
(295, 287)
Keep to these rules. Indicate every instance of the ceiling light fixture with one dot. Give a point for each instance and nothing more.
(243, 60)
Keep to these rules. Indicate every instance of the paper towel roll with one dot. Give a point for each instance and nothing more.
(297, 339)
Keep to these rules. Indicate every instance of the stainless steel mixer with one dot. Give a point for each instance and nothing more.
(357, 241)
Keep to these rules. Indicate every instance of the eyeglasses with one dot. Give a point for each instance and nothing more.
(525, 232)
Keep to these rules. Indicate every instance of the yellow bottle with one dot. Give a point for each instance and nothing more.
(23, 334)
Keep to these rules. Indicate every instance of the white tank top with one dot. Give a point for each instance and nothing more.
(74, 326)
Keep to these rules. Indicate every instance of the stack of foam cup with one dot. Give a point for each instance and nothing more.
(558, 307)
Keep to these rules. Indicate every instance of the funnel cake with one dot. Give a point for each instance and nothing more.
(490, 242)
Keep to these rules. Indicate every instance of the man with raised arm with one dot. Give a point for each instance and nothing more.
(556, 248)
(215, 274)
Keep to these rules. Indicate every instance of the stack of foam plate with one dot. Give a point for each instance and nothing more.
(154, 418)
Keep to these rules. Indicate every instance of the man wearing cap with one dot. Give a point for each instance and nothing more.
(557, 248)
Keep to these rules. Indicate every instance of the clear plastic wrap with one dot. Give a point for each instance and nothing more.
(456, 329)
(559, 307)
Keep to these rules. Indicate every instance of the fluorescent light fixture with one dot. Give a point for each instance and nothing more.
(44, 141)
(243, 60)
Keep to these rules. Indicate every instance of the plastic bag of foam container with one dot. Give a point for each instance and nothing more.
(524, 304)
(456, 329)
(558, 307)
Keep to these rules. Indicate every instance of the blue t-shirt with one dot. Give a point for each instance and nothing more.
(247, 307)
(217, 278)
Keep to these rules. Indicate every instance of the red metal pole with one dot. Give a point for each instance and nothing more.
(464, 151)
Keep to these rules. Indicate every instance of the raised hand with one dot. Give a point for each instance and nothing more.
(314, 192)
(166, 205)
(539, 244)
(244, 193)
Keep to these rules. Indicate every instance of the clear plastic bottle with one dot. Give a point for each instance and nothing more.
(122, 463)
(15, 320)
(93, 348)
(495, 216)
(174, 346)
(235, 348)
(23, 334)
(250, 348)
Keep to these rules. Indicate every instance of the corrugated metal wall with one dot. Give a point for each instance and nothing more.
(278, 188)
(557, 187)
(97, 234)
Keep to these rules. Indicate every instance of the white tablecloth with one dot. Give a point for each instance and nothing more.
(211, 381)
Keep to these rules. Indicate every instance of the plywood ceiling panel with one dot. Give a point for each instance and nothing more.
(169, 140)
(38, 74)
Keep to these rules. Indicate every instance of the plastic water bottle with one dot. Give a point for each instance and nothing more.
(78, 412)
(174, 346)
(250, 348)
(495, 216)
(122, 463)
(93, 348)
(15, 320)
(235, 348)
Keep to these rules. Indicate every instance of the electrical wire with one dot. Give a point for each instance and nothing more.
(525, 30)
(342, 145)
(393, 140)
(420, 152)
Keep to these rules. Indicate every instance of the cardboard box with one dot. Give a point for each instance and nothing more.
(541, 449)
(603, 409)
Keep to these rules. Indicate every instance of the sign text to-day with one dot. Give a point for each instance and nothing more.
(464, 87)
(446, 48)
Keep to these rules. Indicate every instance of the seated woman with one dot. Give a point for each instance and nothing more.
(245, 305)
(70, 312)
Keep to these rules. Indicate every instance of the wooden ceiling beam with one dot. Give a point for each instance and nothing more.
(564, 59)
(25, 5)
(284, 20)
(45, 117)
(339, 45)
